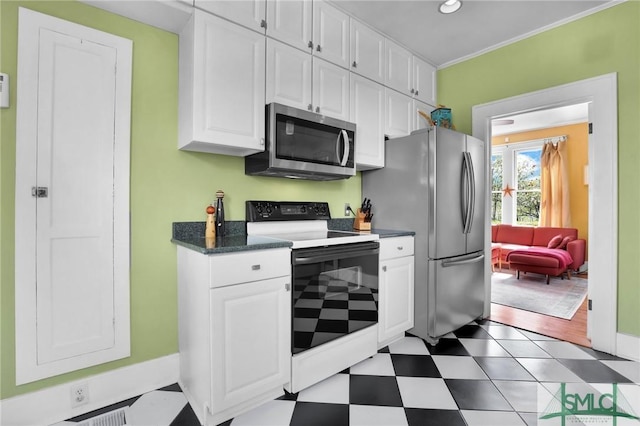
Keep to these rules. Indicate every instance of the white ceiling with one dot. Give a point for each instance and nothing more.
(478, 26)
(554, 117)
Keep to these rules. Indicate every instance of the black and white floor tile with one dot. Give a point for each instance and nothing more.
(482, 374)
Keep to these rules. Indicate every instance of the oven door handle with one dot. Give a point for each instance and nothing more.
(306, 260)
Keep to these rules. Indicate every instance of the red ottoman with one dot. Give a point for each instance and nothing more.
(550, 262)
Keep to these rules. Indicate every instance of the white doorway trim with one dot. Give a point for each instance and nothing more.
(601, 93)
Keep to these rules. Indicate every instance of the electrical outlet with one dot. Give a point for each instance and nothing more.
(79, 394)
(347, 210)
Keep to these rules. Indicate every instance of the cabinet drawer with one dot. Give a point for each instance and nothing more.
(234, 268)
(396, 247)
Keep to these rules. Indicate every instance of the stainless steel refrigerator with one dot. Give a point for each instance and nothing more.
(434, 183)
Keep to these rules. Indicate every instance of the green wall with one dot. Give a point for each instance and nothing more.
(608, 41)
(167, 185)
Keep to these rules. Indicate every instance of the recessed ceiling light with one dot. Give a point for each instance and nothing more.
(450, 6)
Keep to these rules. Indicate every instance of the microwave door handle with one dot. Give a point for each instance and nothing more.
(345, 147)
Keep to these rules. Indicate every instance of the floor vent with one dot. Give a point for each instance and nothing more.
(112, 418)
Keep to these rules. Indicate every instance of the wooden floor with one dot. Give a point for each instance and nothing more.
(574, 330)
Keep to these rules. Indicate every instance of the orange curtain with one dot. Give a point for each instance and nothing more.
(554, 183)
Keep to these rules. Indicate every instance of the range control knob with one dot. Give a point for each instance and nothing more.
(269, 209)
(303, 209)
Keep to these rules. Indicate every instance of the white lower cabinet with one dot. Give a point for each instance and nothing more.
(234, 330)
(396, 283)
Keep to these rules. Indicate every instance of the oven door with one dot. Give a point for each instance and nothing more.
(335, 292)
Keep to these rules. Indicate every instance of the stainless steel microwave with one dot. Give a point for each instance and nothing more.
(304, 145)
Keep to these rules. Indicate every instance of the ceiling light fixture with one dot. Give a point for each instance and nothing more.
(450, 6)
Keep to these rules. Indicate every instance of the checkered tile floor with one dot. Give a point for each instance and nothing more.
(483, 374)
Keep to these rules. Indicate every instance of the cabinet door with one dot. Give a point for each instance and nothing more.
(424, 81)
(367, 52)
(367, 111)
(290, 21)
(398, 114)
(288, 75)
(330, 33)
(222, 87)
(249, 13)
(418, 121)
(250, 340)
(330, 89)
(396, 297)
(398, 71)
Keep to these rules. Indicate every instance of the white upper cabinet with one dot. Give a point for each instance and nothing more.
(290, 21)
(288, 75)
(409, 74)
(399, 68)
(330, 89)
(249, 13)
(297, 79)
(367, 52)
(424, 81)
(367, 111)
(222, 87)
(330, 33)
(399, 113)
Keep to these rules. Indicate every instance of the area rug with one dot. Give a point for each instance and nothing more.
(561, 298)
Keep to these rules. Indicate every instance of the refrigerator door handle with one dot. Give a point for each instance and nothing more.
(464, 198)
(447, 263)
(466, 193)
(472, 192)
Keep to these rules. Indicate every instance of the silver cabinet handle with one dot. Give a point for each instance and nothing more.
(310, 44)
(413, 91)
(261, 141)
(400, 248)
(318, 48)
(310, 107)
(263, 24)
(287, 287)
(355, 64)
(317, 109)
(255, 267)
(417, 92)
(384, 268)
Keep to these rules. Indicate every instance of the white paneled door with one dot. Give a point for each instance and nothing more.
(71, 197)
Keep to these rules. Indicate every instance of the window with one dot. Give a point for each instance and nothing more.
(516, 165)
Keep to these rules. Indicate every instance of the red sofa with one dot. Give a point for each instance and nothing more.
(508, 238)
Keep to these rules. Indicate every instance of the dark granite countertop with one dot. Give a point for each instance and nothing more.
(191, 236)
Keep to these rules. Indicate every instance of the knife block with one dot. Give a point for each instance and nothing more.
(359, 223)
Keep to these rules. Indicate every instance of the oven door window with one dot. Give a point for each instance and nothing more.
(335, 293)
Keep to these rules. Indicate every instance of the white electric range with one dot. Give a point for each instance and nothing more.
(335, 287)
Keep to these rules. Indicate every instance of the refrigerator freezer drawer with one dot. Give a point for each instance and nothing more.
(456, 293)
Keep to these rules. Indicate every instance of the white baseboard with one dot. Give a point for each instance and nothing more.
(628, 346)
(53, 404)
